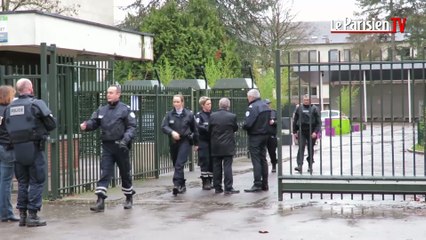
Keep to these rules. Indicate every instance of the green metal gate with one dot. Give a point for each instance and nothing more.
(74, 88)
(369, 149)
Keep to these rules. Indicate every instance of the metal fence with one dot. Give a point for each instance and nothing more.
(74, 89)
(369, 149)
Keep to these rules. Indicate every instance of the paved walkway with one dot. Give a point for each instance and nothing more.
(199, 214)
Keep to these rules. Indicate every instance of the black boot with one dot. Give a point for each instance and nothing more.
(182, 187)
(298, 168)
(33, 220)
(175, 190)
(206, 183)
(274, 167)
(310, 168)
(128, 204)
(211, 182)
(22, 217)
(100, 205)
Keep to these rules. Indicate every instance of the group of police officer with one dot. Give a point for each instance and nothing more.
(27, 122)
(213, 136)
(215, 142)
(260, 122)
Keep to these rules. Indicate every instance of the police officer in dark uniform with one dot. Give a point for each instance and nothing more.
(306, 125)
(179, 124)
(206, 166)
(28, 121)
(272, 143)
(118, 128)
(256, 124)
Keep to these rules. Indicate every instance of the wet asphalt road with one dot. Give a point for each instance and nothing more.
(204, 215)
(201, 214)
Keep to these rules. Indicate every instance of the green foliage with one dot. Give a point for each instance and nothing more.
(128, 70)
(419, 148)
(188, 35)
(421, 134)
(165, 72)
(267, 86)
(213, 71)
(266, 83)
(348, 96)
(413, 10)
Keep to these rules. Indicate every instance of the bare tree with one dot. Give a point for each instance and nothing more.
(53, 6)
(277, 30)
(367, 47)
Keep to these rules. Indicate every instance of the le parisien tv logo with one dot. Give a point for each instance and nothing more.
(369, 26)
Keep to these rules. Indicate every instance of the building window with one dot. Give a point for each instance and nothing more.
(333, 55)
(346, 55)
(405, 53)
(303, 90)
(314, 91)
(303, 56)
(313, 56)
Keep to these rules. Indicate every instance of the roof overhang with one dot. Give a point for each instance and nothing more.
(25, 31)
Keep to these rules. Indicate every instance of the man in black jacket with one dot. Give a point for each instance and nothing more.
(306, 125)
(256, 123)
(222, 126)
(118, 128)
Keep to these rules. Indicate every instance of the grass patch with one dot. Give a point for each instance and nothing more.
(419, 148)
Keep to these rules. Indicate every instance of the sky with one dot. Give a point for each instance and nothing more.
(305, 10)
(323, 10)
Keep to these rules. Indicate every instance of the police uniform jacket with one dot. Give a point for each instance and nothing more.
(307, 119)
(183, 123)
(117, 122)
(257, 118)
(28, 119)
(4, 136)
(223, 125)
(273, 127)
(202, 120)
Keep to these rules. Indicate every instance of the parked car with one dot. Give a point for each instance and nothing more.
(331, 114)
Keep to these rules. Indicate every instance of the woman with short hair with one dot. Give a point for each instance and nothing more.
(7, 159)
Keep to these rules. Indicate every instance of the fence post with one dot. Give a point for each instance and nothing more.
(2, 74)
(51, 97)
(279, 117)
(157, 129)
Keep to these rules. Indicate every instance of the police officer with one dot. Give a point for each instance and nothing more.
(118, 128)
(28, 121)
(272, 143)
(306, 124)
(179, 124)
(256, 124)
(202, 118)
